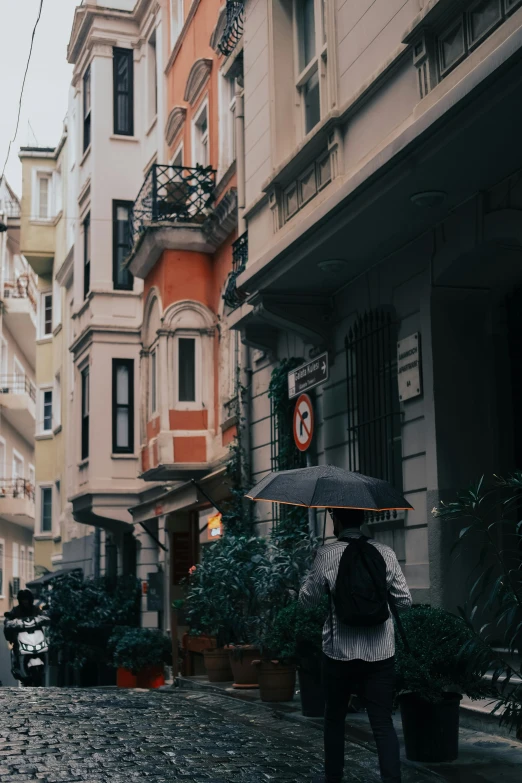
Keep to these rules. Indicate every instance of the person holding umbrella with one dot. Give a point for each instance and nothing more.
(364, 581)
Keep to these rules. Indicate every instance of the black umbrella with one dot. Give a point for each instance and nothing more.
(326, 486)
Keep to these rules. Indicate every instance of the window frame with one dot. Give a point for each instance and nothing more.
(87, 110)
(176, 29)
(116, 204)
(30, 563)
(42, 488)
(196, 404)
(44, 323)
(129, 364)
(85, 416)
(43, 390)
(47, 175)
(57, 401)
(118, 52)
(15, 548)
(197, 136)
(86, 255)
(317, 64)
(57, 303)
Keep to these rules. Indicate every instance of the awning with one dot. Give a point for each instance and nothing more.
(46, 578)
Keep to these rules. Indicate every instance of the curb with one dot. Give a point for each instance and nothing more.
(288, 714)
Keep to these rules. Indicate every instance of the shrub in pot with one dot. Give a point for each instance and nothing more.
(431, 679)
(222, 603)
(142, 652)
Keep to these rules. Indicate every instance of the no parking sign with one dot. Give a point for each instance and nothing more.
(303, 422)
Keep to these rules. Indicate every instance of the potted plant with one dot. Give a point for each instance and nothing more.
(142, 653)
(221, 603)
(432, 676)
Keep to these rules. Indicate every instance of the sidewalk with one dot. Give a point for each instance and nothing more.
(484, 757)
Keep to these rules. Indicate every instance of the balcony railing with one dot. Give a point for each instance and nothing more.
(16, 488)
(11, 209)
(173, 193)
(21, 288)
(17, 384)
(233, 298)
(233, 27)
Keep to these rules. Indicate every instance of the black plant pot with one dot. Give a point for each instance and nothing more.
(312, 694)
(431, 731)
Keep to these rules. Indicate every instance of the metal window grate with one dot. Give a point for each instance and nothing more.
(233, 27)
(374, 414)
(232, 297)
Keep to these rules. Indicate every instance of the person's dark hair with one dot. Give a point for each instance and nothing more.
(25, 595)
(349, 517)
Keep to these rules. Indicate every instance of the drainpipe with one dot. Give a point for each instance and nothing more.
(240, 155)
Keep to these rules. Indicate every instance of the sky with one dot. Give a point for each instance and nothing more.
(44, 103)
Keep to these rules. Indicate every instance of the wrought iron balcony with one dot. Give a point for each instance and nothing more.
(233, 27)
(21, 288)
(16, 488)
(233, 298)
(17, 384)
(172, 193)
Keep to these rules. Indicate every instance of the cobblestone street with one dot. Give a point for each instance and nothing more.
(103, 735)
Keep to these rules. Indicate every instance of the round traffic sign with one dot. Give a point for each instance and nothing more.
(303, 422)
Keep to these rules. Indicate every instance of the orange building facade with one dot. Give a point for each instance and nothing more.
(185, 246)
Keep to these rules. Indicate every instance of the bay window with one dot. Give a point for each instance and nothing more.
(312, 60)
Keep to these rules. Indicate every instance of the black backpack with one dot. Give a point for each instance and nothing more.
(361, 593)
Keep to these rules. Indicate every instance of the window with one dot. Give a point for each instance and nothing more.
(32, 479)
(87, 109)
(122, 278)
(86, 256)
(30, 564)
(153, 383)
(46, 314)
(46, 512)
(123, 92)
(201, 156)
(152, 67)
(16, 561)
(47, 410)
(176, 20)
(2, 565)
(44, 197)
(122, 406)
(18, 468)
(310, 20)
(18, 377)
(227, 119)
(85, 413)
(187, 369)
(22, 565)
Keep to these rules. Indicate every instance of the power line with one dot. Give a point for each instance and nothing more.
(22, 90)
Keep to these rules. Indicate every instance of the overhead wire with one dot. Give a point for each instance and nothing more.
(22, 90)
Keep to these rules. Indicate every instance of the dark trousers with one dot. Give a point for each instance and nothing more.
(374, 683)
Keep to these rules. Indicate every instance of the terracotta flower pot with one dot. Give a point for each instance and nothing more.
(151, 677)
(125, 679)
(217, 664)
(276, 681)
(245, 675)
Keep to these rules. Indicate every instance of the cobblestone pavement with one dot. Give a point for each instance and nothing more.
(102, 735)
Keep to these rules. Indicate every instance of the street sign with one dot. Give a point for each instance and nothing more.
(408, 367)
(307, 376)
(303, 422)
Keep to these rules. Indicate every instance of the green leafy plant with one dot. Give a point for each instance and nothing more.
(83, 613)
(488, 513)
(137, 648)
(222, 600)
(295, 635)
(437, 662)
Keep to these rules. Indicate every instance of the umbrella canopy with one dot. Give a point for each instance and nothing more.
(326, 486)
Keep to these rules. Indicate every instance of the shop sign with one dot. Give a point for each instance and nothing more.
(409, 367)
(215, 527)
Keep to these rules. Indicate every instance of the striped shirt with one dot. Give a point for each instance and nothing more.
(348, 643)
